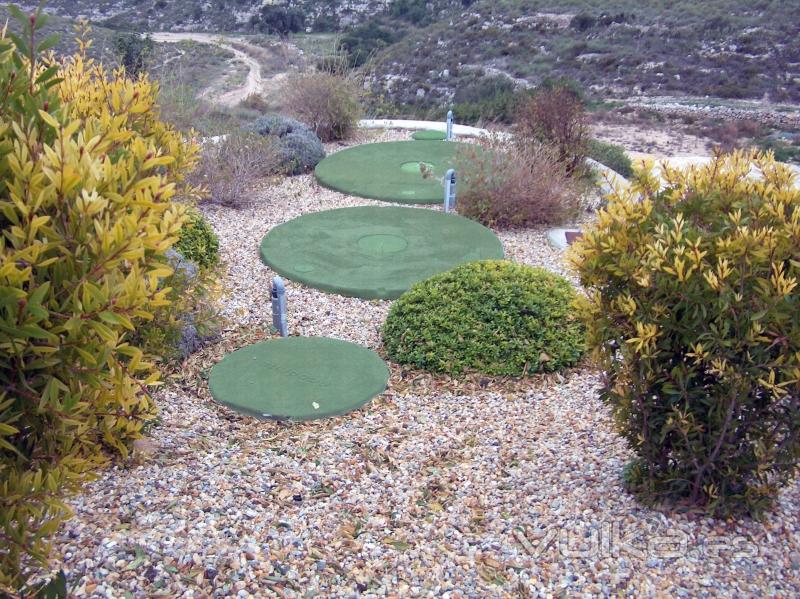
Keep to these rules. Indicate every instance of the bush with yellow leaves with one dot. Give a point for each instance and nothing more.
(693, 311)
(87, 177)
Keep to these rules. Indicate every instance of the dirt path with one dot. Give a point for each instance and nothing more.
(254, 84)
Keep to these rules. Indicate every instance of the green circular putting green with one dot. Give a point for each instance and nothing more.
(429, 135)
(298, 378)
(375, 252)
(391, 171)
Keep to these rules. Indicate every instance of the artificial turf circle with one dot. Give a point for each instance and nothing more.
(298, 378)
(390, 171)
(429, 135)
(375, 252)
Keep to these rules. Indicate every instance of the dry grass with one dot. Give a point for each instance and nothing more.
(230, 166)
(516, 185)
(557, 117)
(326, 102)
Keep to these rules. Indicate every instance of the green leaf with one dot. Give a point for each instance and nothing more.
(47, 73)
(22, 47)
(49, 42)
(36, 297)
(110, 318)
(17, 14)
(42, 19)
(6, 429)
(55, 589)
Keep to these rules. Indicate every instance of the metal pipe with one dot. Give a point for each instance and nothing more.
(450, 190)
(278, 294)
(449, 136)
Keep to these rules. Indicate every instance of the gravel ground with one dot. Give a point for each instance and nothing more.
(475, 487)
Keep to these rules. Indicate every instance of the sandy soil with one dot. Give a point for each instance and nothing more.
(661, 143)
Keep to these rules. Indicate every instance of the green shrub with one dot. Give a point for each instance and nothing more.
(487, 99)
(133, 51)
(197, 241)
(785, 149)
(612, 156)
(276, 125)
(692, 311)
(279, 20)
(414, 11)
(365, 41)
(494, 316)
(191, 318)
(328, 102)
(299, 149)
(87, 177)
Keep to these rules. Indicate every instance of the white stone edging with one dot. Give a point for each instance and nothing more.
(462, 130)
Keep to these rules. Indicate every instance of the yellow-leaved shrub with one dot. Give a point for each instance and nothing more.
(88, 174)
(693, 311)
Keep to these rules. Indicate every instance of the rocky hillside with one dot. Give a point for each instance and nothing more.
(618, 48)
(102, 47)
(427, 54)
(233, 15)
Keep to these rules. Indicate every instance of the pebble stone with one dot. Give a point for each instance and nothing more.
(454, 488)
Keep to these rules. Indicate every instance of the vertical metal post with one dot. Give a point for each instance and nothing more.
(279, 306)
(449, 136)
(450, 190)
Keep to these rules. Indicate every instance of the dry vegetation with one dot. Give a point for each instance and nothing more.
(230, 166)
(509, 185)
(327, 102)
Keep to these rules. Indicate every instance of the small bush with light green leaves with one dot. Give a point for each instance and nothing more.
(197, 241)
(493, 316)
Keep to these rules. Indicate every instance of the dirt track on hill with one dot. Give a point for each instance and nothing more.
(255, 82)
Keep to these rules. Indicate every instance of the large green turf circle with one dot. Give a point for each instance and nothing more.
(298, 378)
(375, 252)
(390, 171)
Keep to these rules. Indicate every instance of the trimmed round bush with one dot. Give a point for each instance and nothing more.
(492, 316)
(300, 149)
(197, 241)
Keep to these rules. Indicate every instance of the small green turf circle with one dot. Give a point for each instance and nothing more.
(375, 252)
(429, 135)
(298, 378)
(390, 171)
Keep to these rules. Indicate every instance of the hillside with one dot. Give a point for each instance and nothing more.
(222, 16)
(425, 54)
(620, 48)
(102, 38)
